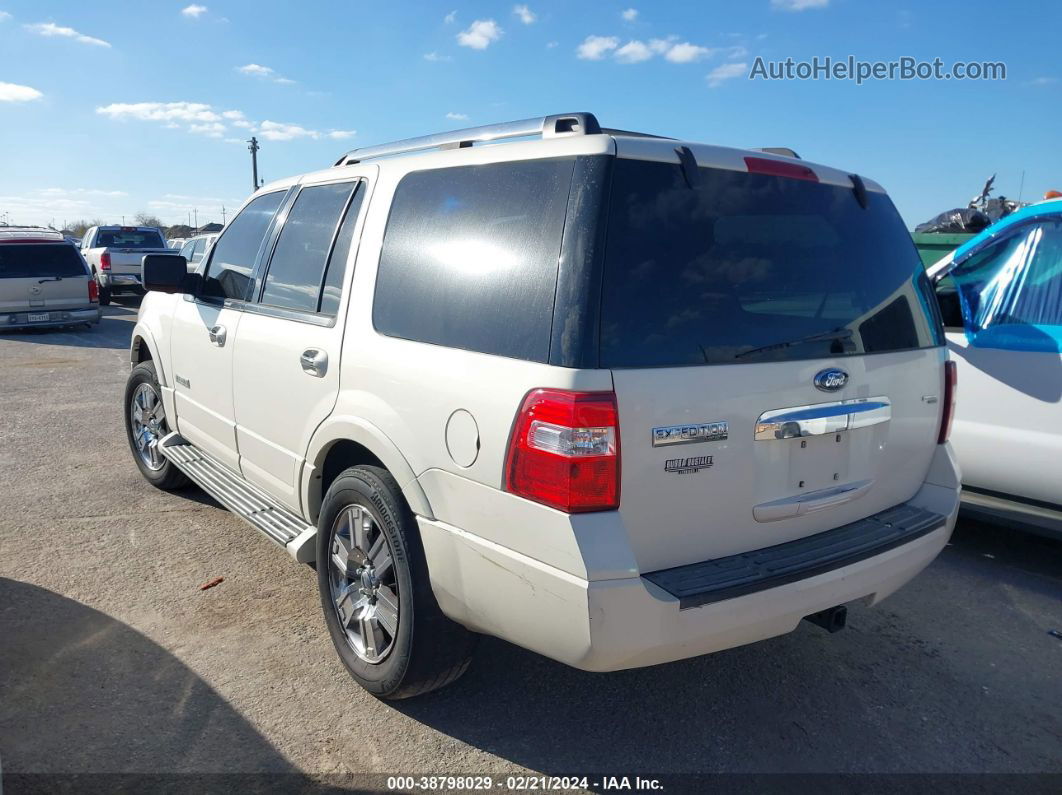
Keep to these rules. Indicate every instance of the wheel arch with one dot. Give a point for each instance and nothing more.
(342, 442)
(142, 348)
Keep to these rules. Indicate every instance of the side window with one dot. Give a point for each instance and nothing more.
(337, 263)
(186, 250)
(470, 257)
(228, 274)
(198, 247)
(297, 267)
(1010, 294)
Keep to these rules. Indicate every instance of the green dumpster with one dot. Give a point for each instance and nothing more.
(934, 246)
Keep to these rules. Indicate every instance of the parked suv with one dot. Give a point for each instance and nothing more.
(114, 254)
(44, 281)
(194, 249)
(617, 399)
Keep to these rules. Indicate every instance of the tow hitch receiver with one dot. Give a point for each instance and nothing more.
(831, 619)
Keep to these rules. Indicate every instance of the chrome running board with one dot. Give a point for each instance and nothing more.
(277, 523)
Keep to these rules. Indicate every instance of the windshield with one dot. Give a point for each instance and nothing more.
(752, 267)
(41, 260)
(129, 238)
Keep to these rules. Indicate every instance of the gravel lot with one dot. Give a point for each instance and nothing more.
(112, 659)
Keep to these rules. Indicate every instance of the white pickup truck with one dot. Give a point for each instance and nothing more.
(114, 254)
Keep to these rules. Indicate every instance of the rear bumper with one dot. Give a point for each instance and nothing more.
(56, 317)
(120, 281)
(628, 622)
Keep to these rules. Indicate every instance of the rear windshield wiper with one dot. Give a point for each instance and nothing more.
(822, 336)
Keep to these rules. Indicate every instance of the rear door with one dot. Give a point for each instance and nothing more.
(287, 355)
(775, 353)
(39, 276)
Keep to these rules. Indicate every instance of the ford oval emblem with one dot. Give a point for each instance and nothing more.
(831, 380)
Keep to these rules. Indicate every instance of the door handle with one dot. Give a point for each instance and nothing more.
(314, 362)
(217, 335)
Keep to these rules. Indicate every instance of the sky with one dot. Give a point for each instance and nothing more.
(112, 108)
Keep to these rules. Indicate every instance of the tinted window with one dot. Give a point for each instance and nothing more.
(750, 267)
(229, 271)
(129, 238)
(470, 255)
(186, 250)
(337, 263)
(39, 260)
(298, 263)
(198, 249)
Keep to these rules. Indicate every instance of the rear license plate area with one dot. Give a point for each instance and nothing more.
(818, 462)
(38, 317)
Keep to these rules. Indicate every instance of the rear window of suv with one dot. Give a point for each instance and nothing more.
(752, 267)
(129, 238)
(40, 260)
(470, 257)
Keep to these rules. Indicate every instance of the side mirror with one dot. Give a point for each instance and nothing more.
(164, 273)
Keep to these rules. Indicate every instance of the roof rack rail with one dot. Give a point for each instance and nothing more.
(557, 126)
(784, 151)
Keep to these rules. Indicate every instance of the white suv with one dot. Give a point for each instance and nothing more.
(615, 398)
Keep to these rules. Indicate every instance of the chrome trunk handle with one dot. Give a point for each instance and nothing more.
(822, 419)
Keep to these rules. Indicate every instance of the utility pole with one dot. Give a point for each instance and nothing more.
(196, 212)
(253, 149)
(223, 215)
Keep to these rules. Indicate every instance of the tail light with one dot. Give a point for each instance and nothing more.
(105, 261)
(948, 411)
(779, 168)
(94, 291)
(565, 451)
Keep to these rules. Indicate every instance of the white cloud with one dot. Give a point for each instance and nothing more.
(594, 48)
(629, 15)
(4, 16)
(798, 5)
(340, 135)
(279, 131)
(193, 11)
(234, 141)
(526, 15)
(197, 112)
(212, 129)
(687, 53)
(633, 52)
(243, 124)
(457, 116)
(257, 70)
(264, 72)
(13, 92)
(232, 115)
(551, 44)
(727, 71)
(449, 18)
(51, 29)
(81, 192)
(434, 57)
(480, 34)
(1036, 81)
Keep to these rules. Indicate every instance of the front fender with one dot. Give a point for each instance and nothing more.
(142, 336)
(355, 429)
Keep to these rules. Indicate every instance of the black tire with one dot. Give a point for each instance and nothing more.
(105, 295)
(428, 650)
(168, 477)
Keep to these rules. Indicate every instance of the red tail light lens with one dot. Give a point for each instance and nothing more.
(94, 291)
(948, 412)
(565, 450)
(105, 261)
